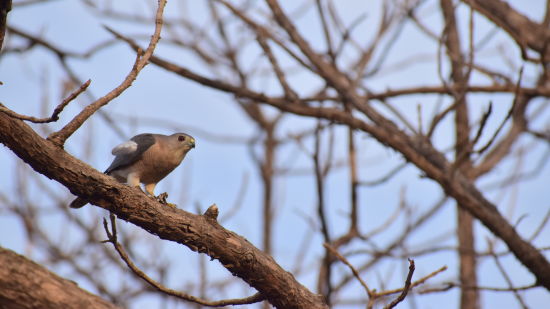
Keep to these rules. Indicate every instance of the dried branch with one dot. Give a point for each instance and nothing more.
(324, 283)
(415, 283)
(539, 229)
(375, 182)
(508, 115)
(372, 294)
(326, 30)
(505, 275)
(450, 285)
(406, 288)
(354, 185)
(523, 30)
(112, 238)
(261, 30)
(56, 111)
(420, 221)
(142, 59)
(353, 270)
(289, 93)
(448, 90)
(482, 123)
(5, 8)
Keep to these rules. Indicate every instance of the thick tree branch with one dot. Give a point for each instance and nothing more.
(523, 30)
(199, 233)
(25, 284)
(112, 238)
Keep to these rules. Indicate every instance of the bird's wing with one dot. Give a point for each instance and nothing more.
(125, 148)
(129, 152)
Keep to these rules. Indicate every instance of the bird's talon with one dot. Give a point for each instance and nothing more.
(162, 198)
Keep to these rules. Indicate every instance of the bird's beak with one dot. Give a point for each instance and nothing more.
(193, 144)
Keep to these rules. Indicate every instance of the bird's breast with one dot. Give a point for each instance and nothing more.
(155, 165)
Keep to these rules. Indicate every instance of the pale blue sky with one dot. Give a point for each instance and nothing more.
(212, 172)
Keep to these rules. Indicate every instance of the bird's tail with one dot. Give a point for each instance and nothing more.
(78, 203)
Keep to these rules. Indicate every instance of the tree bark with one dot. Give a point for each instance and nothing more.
(5, 7)
(25, 284)
(527, 33)
(469, 298)
(199, 233)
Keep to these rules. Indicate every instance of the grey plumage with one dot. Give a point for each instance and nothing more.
(143, 141)
(146, 158)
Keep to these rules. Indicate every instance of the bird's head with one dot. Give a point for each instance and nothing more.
(182, 141)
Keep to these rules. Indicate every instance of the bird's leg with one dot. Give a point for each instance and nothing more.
(133, 180)
(150, 188)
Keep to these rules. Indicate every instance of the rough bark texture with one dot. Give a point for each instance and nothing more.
(25, 284)
(469, 298)
(200, 233)
(525, 32)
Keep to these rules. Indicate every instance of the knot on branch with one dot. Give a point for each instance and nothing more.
(212, 213)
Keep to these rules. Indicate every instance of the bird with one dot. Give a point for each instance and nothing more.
(146, 159)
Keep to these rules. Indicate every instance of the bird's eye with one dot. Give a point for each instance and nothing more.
(181, 138)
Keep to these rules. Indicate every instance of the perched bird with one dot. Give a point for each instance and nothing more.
(146, 158)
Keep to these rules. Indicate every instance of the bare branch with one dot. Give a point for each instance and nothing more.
(353, 270)
(405, 289)
(56, 112)
(525, 32)
(5, 8)
(142, 59)
(506, 277)
(112, 238)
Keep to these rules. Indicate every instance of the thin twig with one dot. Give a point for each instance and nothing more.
(385, 178)
(326, 31)
(510, 112)
(289, 93)
(56, 111)
(483, 122)
(112, 238)
(416, 283)
(5, 8)
(506, 277)
(422, 219)
(142, 59)
(449, 285)
(406, 288)
(540, 227)
(353, 270)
